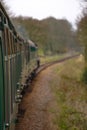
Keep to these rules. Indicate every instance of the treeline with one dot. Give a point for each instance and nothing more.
(82, 36)
(52, 35)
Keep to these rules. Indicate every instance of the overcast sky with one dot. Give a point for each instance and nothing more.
(40, 9)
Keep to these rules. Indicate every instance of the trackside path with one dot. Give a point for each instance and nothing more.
(36, 104)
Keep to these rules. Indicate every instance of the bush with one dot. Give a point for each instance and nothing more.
(84, 76)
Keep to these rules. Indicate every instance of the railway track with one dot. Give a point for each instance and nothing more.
(30, 78)
(44, 66)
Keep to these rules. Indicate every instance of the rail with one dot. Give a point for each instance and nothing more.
(44, 66)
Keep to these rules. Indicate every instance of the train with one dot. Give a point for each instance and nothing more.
(18, 64)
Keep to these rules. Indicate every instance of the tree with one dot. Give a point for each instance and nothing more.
(82, 33)
(82, 36)
(52, 35)
(7, 8)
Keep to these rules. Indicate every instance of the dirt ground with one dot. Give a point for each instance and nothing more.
(35, 105)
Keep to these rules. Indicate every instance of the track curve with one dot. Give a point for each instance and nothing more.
(44, 66)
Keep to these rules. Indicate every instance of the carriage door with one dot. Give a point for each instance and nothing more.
(1, 89)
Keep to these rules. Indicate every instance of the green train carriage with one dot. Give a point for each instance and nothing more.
(10, 57)
(18, 60)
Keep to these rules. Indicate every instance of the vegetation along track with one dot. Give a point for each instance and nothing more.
(44, 66)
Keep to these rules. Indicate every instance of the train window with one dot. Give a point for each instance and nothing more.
(4, 46)
(8, 42)
(20, 47)
(4, 20)
(11, 42)
(14, 45)
(5, 42)
(17, 47)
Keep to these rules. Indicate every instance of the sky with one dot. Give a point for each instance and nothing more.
(40, 9)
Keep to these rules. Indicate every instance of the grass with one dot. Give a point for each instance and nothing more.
(70, 95)
(45, 59)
